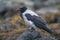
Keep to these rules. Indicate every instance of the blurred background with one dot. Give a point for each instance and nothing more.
(12, 25)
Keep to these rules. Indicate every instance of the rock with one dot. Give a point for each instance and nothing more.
(32, 35)
(7, 27)
(9, 38)
(29, 35)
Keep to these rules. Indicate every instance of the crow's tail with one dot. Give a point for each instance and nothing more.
(48, 30)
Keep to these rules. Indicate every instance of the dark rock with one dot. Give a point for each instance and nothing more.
(32, 35)
(29, 35)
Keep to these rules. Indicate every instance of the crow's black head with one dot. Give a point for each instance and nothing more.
(22, 10)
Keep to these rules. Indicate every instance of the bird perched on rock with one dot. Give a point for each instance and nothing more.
(33, 20)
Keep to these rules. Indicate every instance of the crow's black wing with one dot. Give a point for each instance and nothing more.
(40, 23)
(36, 20)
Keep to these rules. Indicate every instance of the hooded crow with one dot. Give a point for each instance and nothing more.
(33, 20)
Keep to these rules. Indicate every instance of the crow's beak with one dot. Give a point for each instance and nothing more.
(17, 9)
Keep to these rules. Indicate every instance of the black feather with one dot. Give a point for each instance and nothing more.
(40, 23)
